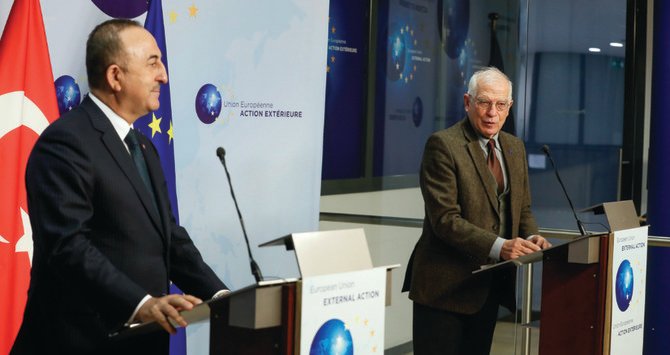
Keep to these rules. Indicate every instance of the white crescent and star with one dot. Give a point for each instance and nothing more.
(19, 110)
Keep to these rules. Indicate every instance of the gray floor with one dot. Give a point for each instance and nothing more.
(503, 340)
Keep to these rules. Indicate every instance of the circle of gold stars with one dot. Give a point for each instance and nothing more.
(407, 30)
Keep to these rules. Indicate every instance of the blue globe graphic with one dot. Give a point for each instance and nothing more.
(122, 8)
(624, 285)
(332, 339)
(68, 95)
(398, 54)
(208, 103)
(417, 111)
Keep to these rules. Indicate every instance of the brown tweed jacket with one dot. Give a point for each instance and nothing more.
(462, 219)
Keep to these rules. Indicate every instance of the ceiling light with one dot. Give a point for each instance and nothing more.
(594, 50)
(616, 44)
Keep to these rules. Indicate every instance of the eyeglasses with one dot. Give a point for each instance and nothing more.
(485, 104)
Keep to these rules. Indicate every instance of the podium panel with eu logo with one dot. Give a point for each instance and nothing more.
(592, 293)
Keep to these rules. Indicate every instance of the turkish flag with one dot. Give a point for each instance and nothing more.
(27, 106)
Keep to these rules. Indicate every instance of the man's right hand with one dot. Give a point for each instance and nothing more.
(516, 247)
(159, 309)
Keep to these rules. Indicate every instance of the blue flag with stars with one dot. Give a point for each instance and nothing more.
(157, 125)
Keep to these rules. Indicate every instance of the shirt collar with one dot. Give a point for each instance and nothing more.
(121, 126)
(483, 141)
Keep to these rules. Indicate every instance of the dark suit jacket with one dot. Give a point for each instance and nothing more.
(462, 218)
(99, 244)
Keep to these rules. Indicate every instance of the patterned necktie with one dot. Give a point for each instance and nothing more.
(494, 166)
(140, 164)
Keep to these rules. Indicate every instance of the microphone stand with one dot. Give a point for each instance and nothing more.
(580, 225)
(255, 270)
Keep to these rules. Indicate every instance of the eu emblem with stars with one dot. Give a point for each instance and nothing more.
(208, 103)
(68, 95)
(332, 338)
(624, 285)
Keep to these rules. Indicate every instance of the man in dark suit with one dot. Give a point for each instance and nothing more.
(106, 244)
(474, 181)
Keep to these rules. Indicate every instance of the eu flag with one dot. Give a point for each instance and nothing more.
(157, 125)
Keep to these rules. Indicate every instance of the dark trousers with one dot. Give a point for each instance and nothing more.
(436, 331)
(156, 343)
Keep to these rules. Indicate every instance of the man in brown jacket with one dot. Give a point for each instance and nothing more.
(474, 181)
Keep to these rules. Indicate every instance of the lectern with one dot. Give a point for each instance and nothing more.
(268, 317)
(592, 289)
(341, 296)
(257, 319)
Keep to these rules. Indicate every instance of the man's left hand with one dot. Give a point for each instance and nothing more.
(540, 241)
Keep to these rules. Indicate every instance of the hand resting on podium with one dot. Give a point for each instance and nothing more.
(516, 247)
(165, 310)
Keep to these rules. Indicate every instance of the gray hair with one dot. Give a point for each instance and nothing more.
(487, 75)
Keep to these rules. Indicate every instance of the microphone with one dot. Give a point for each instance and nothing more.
(255, 270)
(580, 225)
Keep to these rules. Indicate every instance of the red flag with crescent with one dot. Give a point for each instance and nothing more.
(27, 106)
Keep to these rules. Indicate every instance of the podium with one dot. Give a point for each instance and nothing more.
(257, 319)
(582, 281)
(589, 303)
(340, 296)
(265, 318)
